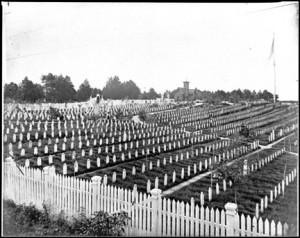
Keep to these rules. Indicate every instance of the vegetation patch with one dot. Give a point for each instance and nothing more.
(27, 220)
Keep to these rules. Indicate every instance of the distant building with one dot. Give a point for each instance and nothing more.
(185, 93)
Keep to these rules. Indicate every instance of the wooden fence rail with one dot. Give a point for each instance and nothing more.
(151, 215)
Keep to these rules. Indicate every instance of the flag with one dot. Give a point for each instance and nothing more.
(272, 50)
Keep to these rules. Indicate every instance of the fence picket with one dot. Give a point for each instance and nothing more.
(217, 223)
(69, 194)
(169, 217)
(187, 220)
(285, 229)
(212, 222)
(202, 219)
(248, 229)
(140, 213)
(90, 197)
(279, 229)
(254, 226)
(104, 197)
(192, 215)
(177, 219)
(59, 193)
(197, 221)
(243, 227)
(144, 211)
(182, 218)
(207, 222)
(260, 226)
(163, 221)
(148, 216)
(267, 227)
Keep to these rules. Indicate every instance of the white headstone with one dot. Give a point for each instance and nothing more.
(35, 151)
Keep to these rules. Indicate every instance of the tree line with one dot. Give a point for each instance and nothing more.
(60, 89)
(234, 96)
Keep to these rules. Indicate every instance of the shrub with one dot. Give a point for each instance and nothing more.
(45, 218)
(119, 114)
(101, 224)
(9, 203)
(142, 115)
(27, 216)
(154, 105)
(54, 113)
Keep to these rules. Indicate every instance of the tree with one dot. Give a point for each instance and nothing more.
(267, 95)
(30, 92)
(65, 89)
(131, 90)
(49, 85)
(58, 88)
(84, 92)
(95, 91)
(39, 92)
(234, 174)
(152, 94)
(172, 93)
(10, 90)
(236, 96)
(113, 88)
(221, 95)
(247, 95)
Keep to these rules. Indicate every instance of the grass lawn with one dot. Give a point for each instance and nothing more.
(256, 186)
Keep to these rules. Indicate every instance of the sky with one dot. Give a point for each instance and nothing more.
(219, 46)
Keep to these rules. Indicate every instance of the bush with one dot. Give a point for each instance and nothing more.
(27, 216)
(142, 115)
(9, 203)
(154, 105)
(54, 113)
(43, 223)
(119, 114)
(101, 224)
(45, 218)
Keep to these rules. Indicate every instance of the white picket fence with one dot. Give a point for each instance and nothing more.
(151, 215)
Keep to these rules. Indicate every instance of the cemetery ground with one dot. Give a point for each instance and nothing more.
(174, 145)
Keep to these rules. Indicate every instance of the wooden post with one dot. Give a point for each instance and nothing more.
(156, 211)
(231, 213)
(95, 181)
(9, 191)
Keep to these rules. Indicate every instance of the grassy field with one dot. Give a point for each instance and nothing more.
(256, 185)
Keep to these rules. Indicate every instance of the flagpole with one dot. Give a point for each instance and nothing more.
(274, 68)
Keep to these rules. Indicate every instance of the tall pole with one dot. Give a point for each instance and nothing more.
(274, 68)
